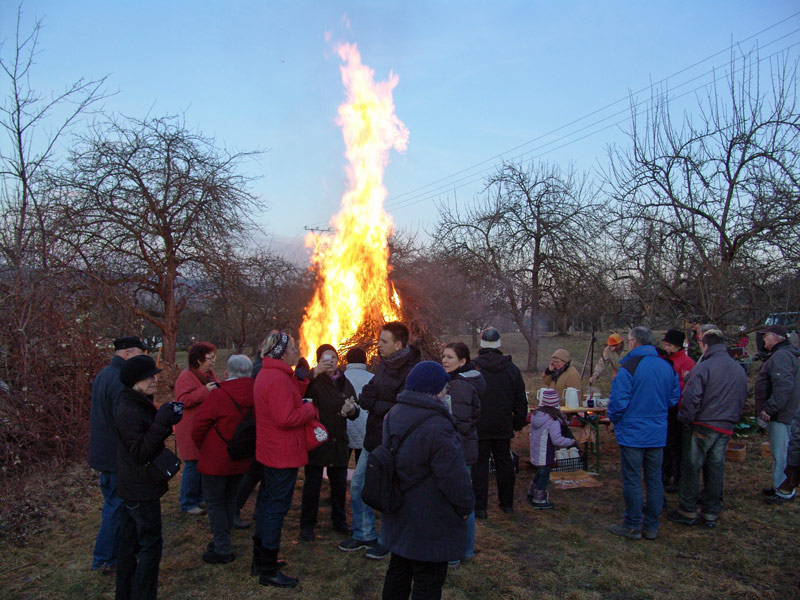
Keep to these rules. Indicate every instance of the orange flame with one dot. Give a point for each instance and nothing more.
(352, 265)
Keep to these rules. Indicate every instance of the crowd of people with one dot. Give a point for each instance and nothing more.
(672, 420)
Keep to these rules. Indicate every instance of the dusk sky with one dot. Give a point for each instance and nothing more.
(477, 81)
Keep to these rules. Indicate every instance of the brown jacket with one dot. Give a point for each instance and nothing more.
(569, 378)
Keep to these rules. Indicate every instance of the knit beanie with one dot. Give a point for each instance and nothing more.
(549, 398)
(427, 377)
(562, 354)
(136, 369)
(490, 338)
(325, 348)
(675, 337)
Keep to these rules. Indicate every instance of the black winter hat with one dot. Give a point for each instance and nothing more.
(129, 341)
(490, 338)
(136, 369)
(356, 356)
(674, 337)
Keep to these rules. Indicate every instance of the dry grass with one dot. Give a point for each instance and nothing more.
(564, 553)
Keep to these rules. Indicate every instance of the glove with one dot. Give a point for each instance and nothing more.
(166, 415)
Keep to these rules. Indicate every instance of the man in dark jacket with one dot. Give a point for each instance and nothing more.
(504, 408)
(103, 442)
(713, 400)
(429, 529)
(142, 430)
(378, 397)
(777, 395)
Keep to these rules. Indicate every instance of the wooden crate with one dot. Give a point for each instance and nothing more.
(735, 452)
(765, 450)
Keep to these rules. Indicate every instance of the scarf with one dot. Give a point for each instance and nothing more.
(396, 359)
(556, 373)
(203, 377)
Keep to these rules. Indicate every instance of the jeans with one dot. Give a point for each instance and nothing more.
(337, 477)
(106, 545)
(778, 446)
(541, 479)
(248, 483)
(504, 473)
(140, 544)
(220, 494)
(428, 578)
(703, 451)
(363, 517)
(191, 486)
(634, 461)
(274, 501)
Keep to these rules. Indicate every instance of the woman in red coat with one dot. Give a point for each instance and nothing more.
(214, 425)
(192, 388)
(281, 416)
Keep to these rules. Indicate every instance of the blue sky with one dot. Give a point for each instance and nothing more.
(476, 79)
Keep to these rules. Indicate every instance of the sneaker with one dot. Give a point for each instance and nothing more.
(453, 564)
(196, 511)
(676, 517)
(621, 530)
(213, 558)
(650, 534)
(378, 552)
(777, 498)
(353, 544)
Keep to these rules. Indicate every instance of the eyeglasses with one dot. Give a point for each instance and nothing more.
(631, 340)
(211, 357)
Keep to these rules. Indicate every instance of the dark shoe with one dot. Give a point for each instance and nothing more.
(672, 488)
(195, 511)
(650, 534)
(481, 514)
(676, 517)
(213, 558)
(353, 544)
(258, 559)
(343, 529)
(239, 523)
(107, 568)
(709, 524)
(277, 579)
(631, 534)
(378, 552)
(541, 501)
(507, 509)
(770, 491)
(453, 564)
(776, 499)
(307, 535)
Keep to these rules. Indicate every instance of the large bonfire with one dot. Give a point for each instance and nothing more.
(353, 295)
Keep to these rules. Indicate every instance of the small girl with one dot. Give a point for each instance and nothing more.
(546, 423)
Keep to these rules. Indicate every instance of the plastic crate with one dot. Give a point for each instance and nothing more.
(566, 465)
(514, 462)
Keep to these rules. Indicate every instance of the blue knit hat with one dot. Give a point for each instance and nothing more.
(427, 377)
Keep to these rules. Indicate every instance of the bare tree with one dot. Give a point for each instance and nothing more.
(709, 207)
(148, 203)
(534, 223)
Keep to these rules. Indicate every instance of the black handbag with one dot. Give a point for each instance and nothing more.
(164, 466)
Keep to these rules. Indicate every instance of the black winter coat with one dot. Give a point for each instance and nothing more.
(329, 396)
(430, 525)
(141, 440)
(777, 388)
(504, 406)
(103, 437)
(380, 395)
(465, 389)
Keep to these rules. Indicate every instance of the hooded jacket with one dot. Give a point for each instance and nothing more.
(715, 392)
(103, 437)
(639, 402)
(504, 407)
(777, 389)
(141, 440)
(358, 376)
(218, 416)
(545, 437)
(380, 394)
(465, 389)
(430, 525)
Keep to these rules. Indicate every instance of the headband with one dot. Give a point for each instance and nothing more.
(279, 348)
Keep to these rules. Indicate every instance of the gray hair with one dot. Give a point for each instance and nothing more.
(706, 327)
(239, 366)
(643, 336)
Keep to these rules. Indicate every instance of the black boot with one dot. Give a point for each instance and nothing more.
(271, 575)
(258, 560)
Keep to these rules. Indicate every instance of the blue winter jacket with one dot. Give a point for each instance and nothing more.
(638, 403)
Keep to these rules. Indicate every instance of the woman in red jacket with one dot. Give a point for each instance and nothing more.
(281, 416)
(214, 425)
(192, 388)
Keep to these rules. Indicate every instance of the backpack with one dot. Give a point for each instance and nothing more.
(381, 488)
(243, 443)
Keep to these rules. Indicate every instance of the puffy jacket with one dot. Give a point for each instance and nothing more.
(358, 376)
(329, 396)
(545, 437)
(465, 389)
(682, 365)
(281, 416)
(715, 392)
(192, 392)
(777, 389)
(639, 403)
(430, 526)
(380, 394)
(220, 411)
(103, 437)
(504, 407)
(141, 440)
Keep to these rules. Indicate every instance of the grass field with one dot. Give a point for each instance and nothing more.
(564, 553)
